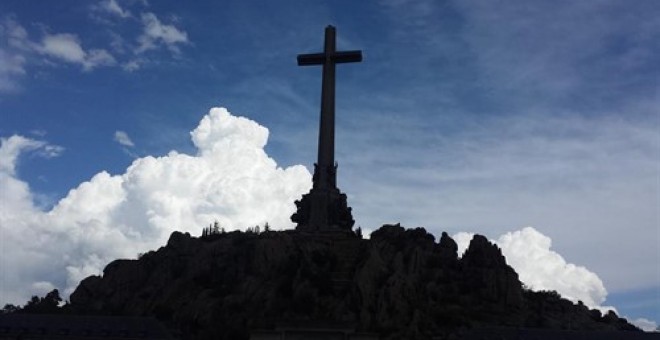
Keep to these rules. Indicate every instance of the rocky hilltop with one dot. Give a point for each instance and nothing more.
(400, 283)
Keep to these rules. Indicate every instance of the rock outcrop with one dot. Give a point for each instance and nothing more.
(400, 283)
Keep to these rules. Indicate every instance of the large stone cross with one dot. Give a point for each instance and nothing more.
(329, 57)
(325, 207)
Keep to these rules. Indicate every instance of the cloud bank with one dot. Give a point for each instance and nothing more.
(540, 268)
(230, 179)
(645, 325)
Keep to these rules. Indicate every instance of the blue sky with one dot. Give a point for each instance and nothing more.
(464, 116)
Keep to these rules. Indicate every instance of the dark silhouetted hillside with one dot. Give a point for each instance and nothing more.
(400, 283)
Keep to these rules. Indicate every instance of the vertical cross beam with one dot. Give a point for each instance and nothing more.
(324, 171)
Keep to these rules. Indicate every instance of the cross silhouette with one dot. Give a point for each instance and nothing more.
(324, 173)
(325, 207)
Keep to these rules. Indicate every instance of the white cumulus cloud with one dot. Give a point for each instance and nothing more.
(15, 145)
(645, 324)
(230, 179)
(540, 268)
(463, 241)
(122, 138)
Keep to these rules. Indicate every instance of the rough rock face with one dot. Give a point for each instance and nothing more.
(400, 283)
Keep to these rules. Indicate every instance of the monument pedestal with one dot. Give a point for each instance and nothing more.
(323, 210)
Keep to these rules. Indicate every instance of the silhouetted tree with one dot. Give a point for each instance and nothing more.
(266, 227)
(10, 308)
(213, 229)
(358, 232)
(46, 305)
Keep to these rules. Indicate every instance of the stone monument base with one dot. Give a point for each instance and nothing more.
(323, 210)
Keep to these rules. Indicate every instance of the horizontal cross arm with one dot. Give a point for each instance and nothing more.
(311, 59)
(337, 57)
(347, 57)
